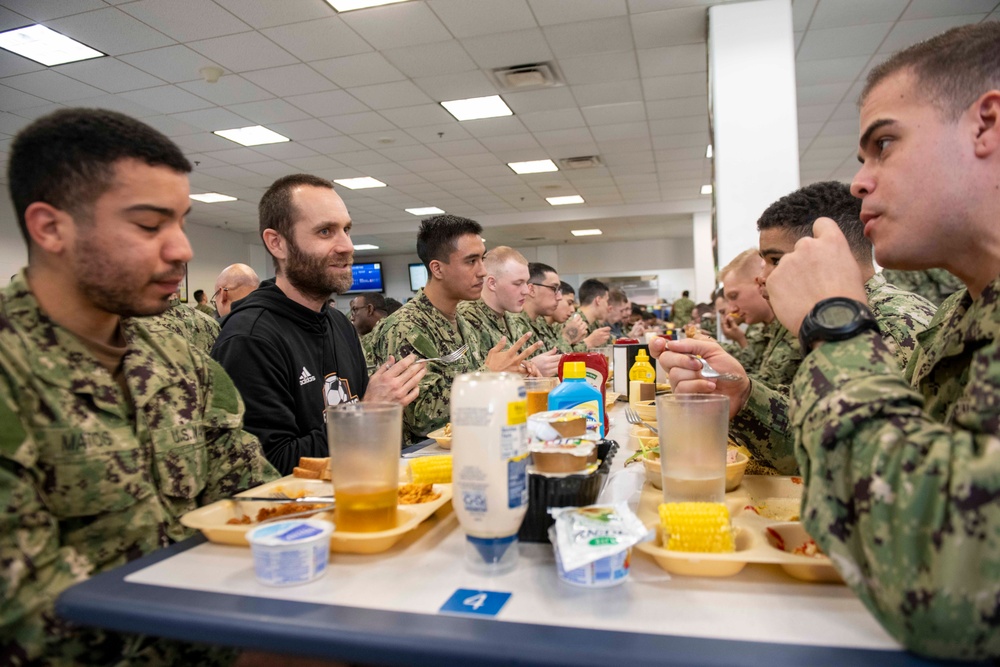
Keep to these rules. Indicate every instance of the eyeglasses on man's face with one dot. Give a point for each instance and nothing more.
(555, 288)
(216, 295)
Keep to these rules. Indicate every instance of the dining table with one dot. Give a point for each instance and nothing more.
(418, 604)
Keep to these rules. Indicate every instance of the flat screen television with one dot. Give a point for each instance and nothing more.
(367, 278)
(418, 276)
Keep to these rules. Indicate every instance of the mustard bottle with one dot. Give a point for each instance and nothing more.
(642, 370)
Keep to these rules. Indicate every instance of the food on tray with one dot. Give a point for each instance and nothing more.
(282, 491)
(694, 526)
(414, 494)
(776, 509)
(271, 512)
(555, 424)
(563, 455)
(807, 548)
(430, 469)
(447, 429)
(313, 468)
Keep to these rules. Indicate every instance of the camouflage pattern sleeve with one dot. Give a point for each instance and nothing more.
(762, 425)
(905, 501)
(197, 327)
(681, 311)
(935, 285)
(750, 356)
(900, 315)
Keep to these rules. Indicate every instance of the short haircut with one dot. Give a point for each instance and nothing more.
(198, 293)
(617, 296)
(746, 265)
(392, 305)
(497, 258)
(591, 289)
(438, 237)
(797, 212)
(537, 271)
(67, 158)
(374, 299)
(567, 288)
(952, 69)
(685, 293)
(276, 210)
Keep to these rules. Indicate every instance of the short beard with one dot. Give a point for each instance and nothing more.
(308, 274)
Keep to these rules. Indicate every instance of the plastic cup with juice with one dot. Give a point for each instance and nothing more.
(538, 393)
(364, 443)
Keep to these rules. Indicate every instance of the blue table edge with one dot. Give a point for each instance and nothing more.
(388, 637)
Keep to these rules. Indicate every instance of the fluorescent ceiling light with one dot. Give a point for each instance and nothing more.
(426, 210)
(255, 135)
(478, 107)
(586, 232)
(359, 183)
(569, 199)
(706, 189)
(351, 5)
(45, 46)
(365, 246)
(533, 166)
(212, 198)
(708, 151)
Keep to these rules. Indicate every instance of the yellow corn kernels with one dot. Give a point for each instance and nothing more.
(431, 470)
(702, 527)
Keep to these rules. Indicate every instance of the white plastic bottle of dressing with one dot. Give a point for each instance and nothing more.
(490, 458)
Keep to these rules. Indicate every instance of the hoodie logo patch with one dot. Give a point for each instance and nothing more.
(306, 377)
(337, 391)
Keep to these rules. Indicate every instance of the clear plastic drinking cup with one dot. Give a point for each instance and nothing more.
(694, 429)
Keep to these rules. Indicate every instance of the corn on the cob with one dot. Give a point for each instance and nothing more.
(702, 527)
(431, 470)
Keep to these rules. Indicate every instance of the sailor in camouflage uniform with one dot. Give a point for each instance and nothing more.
(545, 299)
(593, 310)
(494, 313)
(935, 285)
(108, 433)
(746, 304)
(200, 329)
(901, 470)
(680, 312)
(430, 326)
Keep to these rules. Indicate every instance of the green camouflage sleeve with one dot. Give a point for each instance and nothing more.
(906, 507)
(762, 425)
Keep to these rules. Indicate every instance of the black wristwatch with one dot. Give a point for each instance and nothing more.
(836, 318)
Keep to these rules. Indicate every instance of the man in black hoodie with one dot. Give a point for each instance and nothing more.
(288, 354)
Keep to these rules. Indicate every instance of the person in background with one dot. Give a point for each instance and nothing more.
(680, 312)
(392, 305)
(935, 285)
(200, 329)
(234, 283)
(290, 355)
(900, 469)
(566, 320)
(747, 305)
(594, 308)
(430, 325)
(105, 428)
(201, 303)
(619, 308)
(366, 311)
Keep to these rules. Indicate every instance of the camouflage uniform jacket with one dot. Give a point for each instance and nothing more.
(366, 344)
(90, 480)
(750, 356)
(418, 327)
(902, 475)
(763, 423)
(681, 311)
(208, 310)
(935, 285)
(490, 325)
(200, 329)
(550, 334)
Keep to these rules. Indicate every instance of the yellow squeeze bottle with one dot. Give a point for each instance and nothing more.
(642, 370)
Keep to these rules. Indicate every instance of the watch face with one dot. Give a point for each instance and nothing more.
(836, 315)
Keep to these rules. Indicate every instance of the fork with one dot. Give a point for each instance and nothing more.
(299, 515)
(282, 498)
(710, 373)
(449, 358)
(632, 417)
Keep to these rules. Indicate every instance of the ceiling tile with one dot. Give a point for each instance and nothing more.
(338, 145)
(926, 9)
(109, 74)
(367, 121)
(608, 93)
(268, 14)
(390, 95)
(468, 18)
(586, 37)
(290, 80)
(236, 155)
(507, 49)
(244, 51)
(46, 10)
(599, 68)
(679, 125)
(231, 89)
(681, 85)
(670, 60)
(170, 126)
(641, 6)
(185, 20)
(355, 158)
(906, 33)
(172, 63)
(397, 25)
(556, 119)
(12, 64)
(455, 149)
(319, 39)
(363, 69)
(52, 86)
(212, 120)
(15, 99)
(110, 31)
(301, 130)
(432, 135)
(117, 103)
(828, 93)
(603, 133)
(332, 103)
(842, 42)
(679, 107)
(855, 12)
(167, 99)
(545, 99)
(416, 152)
(201, 142)
(606, 114)
(457, 86)
(549, 12)
(670, 28)
(270, 111)
(431, 59)
(383, 140)
(515, 142)
(286, 150)
(833, 70)
(314, 163)
(802, 11)
(418, 116)
(562, 137)
(492, 127)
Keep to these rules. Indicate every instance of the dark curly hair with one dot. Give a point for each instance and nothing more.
(830, 199)
(439, 234)
(67, 158)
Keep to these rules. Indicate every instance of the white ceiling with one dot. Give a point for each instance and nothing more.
(357, 93)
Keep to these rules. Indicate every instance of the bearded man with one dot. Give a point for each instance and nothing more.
(288, 354)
